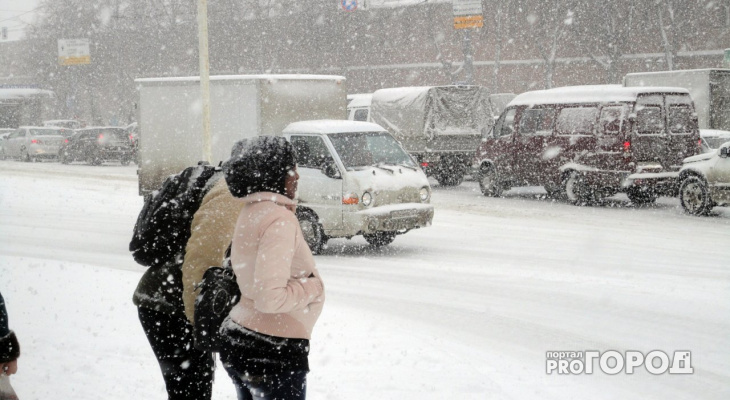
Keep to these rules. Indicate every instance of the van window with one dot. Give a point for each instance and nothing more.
(360, 115)
(537, 121)
(577, 121)
(649, 120)
(310, 150)
(611, 121)
(363, 149)
(679, 119)
(506, 124)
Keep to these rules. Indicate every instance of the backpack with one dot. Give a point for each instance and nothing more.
(219, 292)
(163, 226)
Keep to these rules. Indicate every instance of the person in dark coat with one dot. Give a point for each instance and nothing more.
(9, 346)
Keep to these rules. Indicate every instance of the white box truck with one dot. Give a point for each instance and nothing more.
(170, 116)
(355, 177)
(709, 88)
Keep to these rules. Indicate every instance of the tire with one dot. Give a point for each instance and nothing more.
(312, 230)
(124, 161)
(450, 179)
(63, 157)
(93, 160)
(575, 190)
(380, 239)
(489, 181)
(695, 196)
(641, 197)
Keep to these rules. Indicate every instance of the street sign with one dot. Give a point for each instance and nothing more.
(73, 51)
(467, 14)
(349, 5)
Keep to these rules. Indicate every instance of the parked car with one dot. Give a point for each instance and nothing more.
(712, 139)
(582, 142)
(65, 123)
(97, 145)
(705, 181)
(31, 143)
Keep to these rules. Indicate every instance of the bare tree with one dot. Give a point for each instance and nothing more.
(674, 23)
(549, 23)
(502, 17)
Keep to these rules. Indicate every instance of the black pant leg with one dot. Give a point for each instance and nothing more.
(188, 372)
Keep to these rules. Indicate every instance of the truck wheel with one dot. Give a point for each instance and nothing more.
(694, 196)
(489, 181)
(575, 190)
(380, 239)
(312, 230)
(445, 179)
(640, 197)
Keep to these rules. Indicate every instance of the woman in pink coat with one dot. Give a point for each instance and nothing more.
(266, 335)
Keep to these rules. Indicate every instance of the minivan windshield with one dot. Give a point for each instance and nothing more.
(363, 149)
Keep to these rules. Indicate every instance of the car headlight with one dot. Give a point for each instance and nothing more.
(424, 194)
(367, 199)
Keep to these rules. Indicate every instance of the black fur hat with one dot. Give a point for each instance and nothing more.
(259, 164)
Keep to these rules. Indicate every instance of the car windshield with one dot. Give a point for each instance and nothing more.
(715, 142)
(369, 148)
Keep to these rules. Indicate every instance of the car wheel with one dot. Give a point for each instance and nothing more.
(124, 161)
(694, 196)
(63, 156)
(380, 239)
(312, 230)
(641, 197)
(575, 189)
(24, 155)
(489, 181)
(453, 178)
(93, 159)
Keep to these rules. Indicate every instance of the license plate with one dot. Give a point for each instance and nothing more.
(403, 213)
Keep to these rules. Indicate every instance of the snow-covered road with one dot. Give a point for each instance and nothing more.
(465, 309)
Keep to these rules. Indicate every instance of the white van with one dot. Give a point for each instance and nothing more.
(358, 106)
(355, 179)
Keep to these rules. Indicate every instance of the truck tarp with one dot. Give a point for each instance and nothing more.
(429, 112)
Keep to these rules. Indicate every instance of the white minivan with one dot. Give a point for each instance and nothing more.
(356, 179)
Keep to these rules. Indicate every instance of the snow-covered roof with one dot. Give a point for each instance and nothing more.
(588, 94)
(49, 128)
(270, 77)
(714, 133)
(359, 99)
(22, 93)
(327, 126)
(677, 72)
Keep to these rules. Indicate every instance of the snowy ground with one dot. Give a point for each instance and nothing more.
(466, 309)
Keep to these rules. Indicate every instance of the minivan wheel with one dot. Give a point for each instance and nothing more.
(575, 189)
(379, 239)
(312, 230)
(489, 182)
(694, 196)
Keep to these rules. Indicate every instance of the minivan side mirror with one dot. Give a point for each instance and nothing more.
(725, 152)
(329, 168)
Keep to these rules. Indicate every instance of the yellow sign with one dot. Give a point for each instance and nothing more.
(470, 21)
(74, 60)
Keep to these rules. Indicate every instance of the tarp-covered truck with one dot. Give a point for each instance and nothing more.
(709, 88)
(170, 116)
(440, 126)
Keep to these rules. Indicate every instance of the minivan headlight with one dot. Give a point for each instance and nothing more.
(424, 194)
(367, 199)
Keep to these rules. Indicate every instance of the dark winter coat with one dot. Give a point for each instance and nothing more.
(9, 347)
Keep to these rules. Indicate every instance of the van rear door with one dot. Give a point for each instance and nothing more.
(648, 139)
(683, 133)
(611, 137)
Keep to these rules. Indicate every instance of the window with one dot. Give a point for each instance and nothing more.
(539, 121)
(360, 115)
(611, 120)
(310, 150)
(577, 121)
(361, 149)
(649, 120)
(506, 126)
(679, 119)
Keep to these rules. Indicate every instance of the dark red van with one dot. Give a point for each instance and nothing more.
(581, 142)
